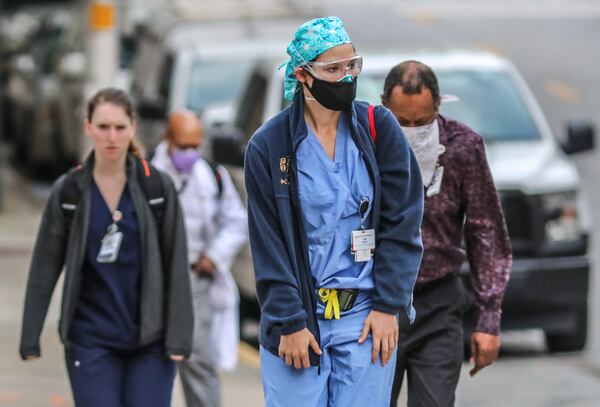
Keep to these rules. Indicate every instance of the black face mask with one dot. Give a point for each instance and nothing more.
(333, 95)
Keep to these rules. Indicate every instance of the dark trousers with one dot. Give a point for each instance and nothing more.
(431, 350)
(102, 377)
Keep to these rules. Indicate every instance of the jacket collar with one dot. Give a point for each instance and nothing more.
(161, 157)
(88, 168)
(444, 136)
(298, 128)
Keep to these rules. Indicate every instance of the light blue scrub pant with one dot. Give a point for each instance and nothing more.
(347, 379)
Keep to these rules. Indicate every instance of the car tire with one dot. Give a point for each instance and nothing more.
(571, 341)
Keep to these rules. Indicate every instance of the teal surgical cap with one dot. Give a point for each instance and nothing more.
(311, 39)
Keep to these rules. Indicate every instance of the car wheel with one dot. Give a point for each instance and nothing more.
(571, 341)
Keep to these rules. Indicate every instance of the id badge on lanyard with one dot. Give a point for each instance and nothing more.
(363, 240)
(111, 242)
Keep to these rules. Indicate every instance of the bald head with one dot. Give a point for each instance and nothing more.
(412, 77)
(184, 129)
(412, 93)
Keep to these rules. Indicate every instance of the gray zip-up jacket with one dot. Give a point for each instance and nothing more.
(166, 306)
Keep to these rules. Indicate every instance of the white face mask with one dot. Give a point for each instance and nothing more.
(425, 141)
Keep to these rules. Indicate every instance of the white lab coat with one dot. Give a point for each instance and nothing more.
(216, 227)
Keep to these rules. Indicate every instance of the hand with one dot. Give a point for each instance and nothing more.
(384, 328)
(293, 348)
(204, 266)
(484, 350)
(176, 358)
(30, 358)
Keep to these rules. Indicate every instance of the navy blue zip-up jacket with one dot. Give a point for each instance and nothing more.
(284, 282)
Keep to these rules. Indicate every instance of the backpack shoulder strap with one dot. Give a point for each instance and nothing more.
(215, 170)
(372, 128)
(151, 183)
(70, 196)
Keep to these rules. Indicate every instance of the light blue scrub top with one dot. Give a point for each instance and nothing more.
(330, 195)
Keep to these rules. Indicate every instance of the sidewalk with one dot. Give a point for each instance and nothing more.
(44, 382)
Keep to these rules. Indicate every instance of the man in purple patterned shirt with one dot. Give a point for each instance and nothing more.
(463, 220)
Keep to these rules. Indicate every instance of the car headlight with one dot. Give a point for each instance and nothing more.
(562, 221)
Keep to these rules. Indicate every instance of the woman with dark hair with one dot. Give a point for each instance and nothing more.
(334, 228)
(126, 313)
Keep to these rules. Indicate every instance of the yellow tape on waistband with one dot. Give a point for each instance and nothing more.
(332, 304)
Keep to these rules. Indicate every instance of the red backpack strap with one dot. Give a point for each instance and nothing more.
(145, 166)
(372, 129)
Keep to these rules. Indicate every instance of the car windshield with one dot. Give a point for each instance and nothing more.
(488, 102)
(215, 82)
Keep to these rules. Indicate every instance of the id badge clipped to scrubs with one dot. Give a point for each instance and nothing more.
(111, 242)
(363, 240)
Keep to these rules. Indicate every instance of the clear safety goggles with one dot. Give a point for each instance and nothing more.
(333, 71)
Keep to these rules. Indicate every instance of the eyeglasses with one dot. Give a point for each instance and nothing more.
(334, 70)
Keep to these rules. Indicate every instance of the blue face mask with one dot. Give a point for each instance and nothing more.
(184, 160)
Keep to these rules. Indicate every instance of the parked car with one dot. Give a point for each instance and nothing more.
(540, 189)
(33, 85)
(202, 62)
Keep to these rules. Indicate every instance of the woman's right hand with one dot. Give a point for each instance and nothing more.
(293, 348)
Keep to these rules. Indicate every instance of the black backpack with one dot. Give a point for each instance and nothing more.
(148, 178)
(218, 178)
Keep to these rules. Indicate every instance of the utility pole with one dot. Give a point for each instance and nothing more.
(102, 52)
(103, 45)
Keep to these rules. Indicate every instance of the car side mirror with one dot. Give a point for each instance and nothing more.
(154, 109)
(580, 137)
(228, 146)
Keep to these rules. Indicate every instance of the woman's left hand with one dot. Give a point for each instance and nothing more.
(177, 358)
(384, 328)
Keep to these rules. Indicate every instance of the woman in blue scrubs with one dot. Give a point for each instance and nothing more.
(126, 310)
(334, 228)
